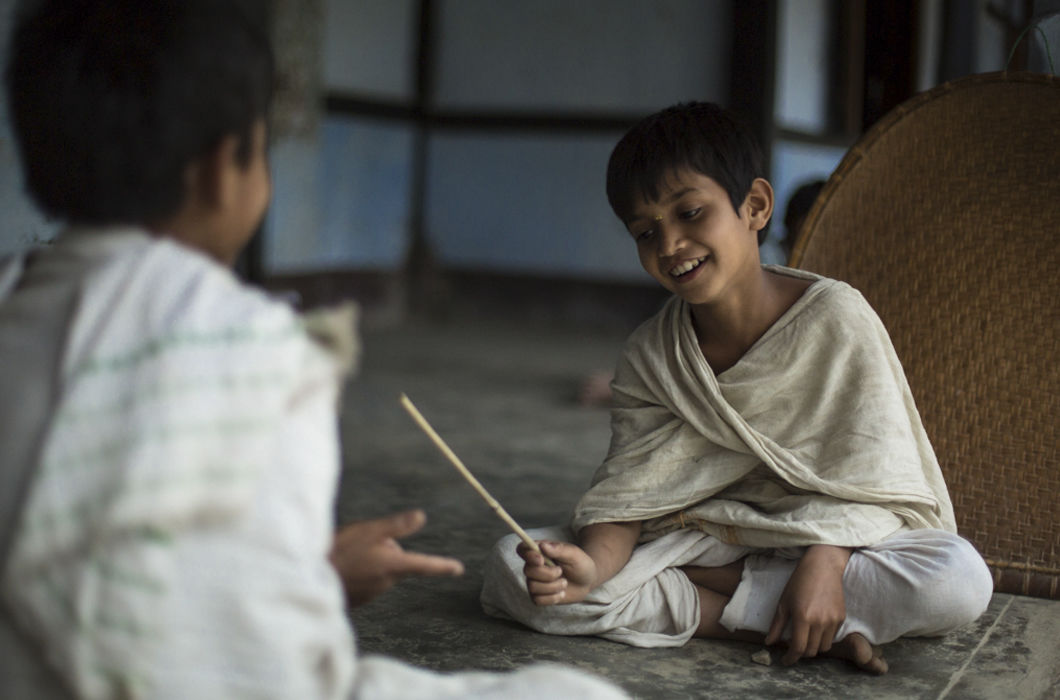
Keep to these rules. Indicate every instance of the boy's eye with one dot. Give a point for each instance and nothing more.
(644, 235)
(691, 213)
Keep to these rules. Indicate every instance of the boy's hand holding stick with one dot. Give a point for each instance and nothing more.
(497, 508)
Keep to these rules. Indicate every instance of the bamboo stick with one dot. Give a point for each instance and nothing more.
(466, 473)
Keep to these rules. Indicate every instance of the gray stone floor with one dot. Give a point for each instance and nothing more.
(504, 399)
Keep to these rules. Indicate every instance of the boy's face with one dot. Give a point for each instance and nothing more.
(226, 200)
(251, 192)
(692, 241)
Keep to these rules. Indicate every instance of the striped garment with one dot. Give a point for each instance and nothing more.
(180, 514)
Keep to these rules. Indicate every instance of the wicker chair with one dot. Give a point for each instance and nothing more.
(946, 215)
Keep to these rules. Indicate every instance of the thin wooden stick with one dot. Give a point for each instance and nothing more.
(497, 507)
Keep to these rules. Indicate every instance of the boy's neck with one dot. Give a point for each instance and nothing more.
(727, 329)
(193, 230)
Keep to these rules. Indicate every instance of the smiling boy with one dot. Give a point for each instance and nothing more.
(769, 478)
(695, 244)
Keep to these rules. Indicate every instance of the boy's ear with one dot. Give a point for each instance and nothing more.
(759, 204)
(212, 178)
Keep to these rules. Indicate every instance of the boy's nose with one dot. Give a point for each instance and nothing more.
(670, 241)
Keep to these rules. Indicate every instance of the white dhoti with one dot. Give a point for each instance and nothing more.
(915, 583)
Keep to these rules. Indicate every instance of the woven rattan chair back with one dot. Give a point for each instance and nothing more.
(946, 215)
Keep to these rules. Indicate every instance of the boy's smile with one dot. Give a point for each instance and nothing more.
(692, 241)
(684, 268)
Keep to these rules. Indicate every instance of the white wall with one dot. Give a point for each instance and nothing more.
(341, 198)
(502, 201)
(527, 203)
(534, 201)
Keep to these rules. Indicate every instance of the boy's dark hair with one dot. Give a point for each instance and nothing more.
(698, 136)
(111, 100)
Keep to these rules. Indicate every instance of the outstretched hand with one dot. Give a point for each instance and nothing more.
(369, 559)
(813, 602)
(567, 580)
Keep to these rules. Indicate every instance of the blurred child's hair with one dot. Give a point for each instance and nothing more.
(111, 100)
(698, 136)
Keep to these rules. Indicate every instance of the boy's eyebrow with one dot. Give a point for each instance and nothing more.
(680, 193)
(669, 200)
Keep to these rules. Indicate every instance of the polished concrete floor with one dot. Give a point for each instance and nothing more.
(504, 398)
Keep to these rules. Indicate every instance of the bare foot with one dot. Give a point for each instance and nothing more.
(856, 649)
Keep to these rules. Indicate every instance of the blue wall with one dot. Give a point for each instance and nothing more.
(503, 201)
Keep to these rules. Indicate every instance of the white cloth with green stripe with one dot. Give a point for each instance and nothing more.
(180, 513)
(173, 539)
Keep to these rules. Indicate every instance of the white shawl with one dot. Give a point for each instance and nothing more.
(812, 437)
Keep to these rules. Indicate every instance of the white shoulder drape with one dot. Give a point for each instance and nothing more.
(812, 437)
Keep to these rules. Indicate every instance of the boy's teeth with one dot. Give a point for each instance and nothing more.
(685, 267)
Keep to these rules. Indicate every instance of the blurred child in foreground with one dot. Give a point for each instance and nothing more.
(170, 450)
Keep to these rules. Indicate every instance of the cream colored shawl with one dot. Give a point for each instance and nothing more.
(812, 437)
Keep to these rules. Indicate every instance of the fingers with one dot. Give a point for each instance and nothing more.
(536, 568)
(803, 637)
(776, 628)
(807, 640)
(530, 556)
(369, 548)
(827, 636)
(402, 524)
(545, 582)
(547, 593)
(561, 553)
(537, 557)
(405, 564)
(813, 643)
(797, 643)
(395, 526)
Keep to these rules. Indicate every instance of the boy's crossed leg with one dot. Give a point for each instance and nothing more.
(684, 584)
(918, 583)
(716, 585)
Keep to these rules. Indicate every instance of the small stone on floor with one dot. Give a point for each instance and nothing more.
(763, 657)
